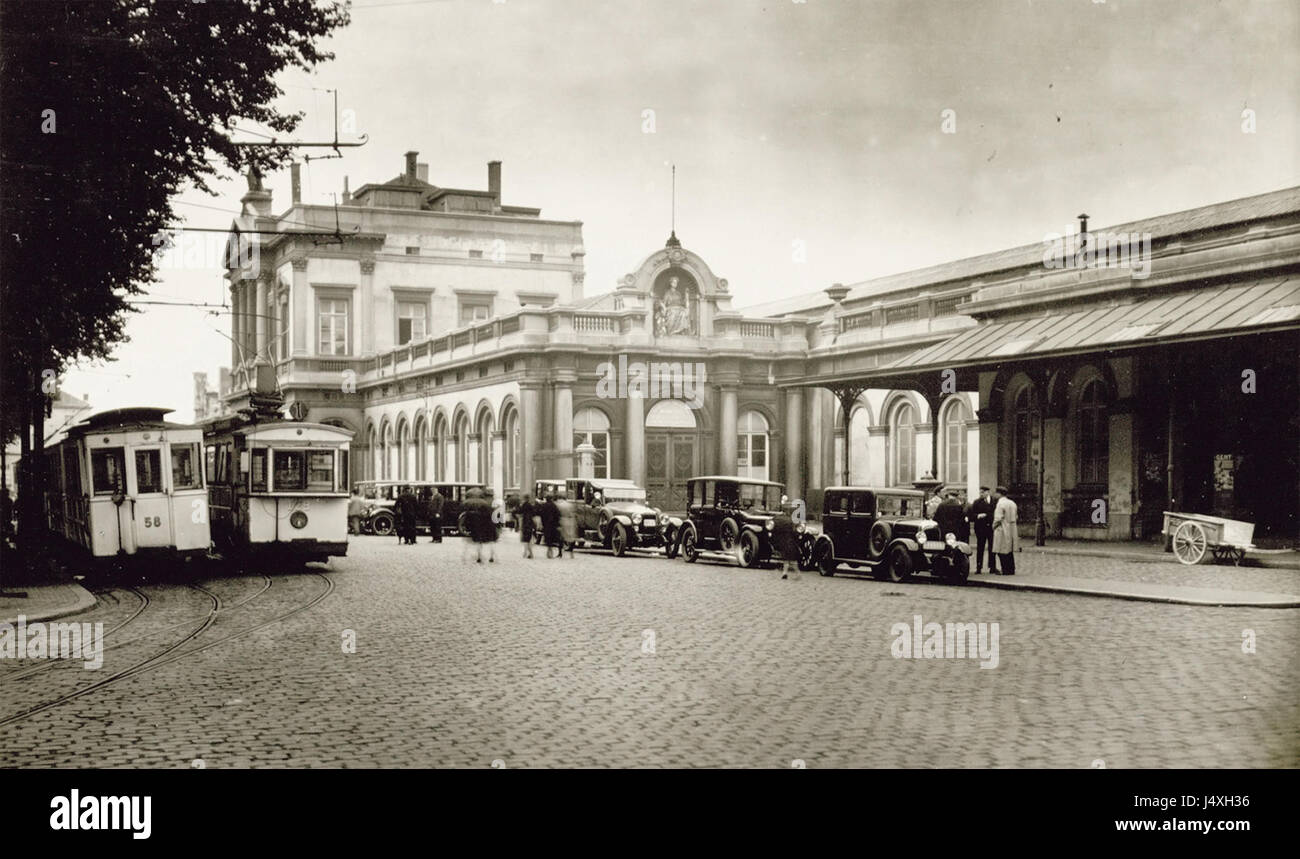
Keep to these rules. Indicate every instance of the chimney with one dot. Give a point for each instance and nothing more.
(1083, 232)
(347, 195)
(295, 179)
(422, 172)
(410, 164)
(494, 181)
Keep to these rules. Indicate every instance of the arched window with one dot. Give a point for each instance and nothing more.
(372, 461)
(484, 431)
(1093, 432)
(1024, 425)
(902, 444)
(591, 425)
(389, 449)
(440, 448)
(511, 449)
(751, 445)
(403, 449)
(955, 416)
(421, 448)
(462, 447)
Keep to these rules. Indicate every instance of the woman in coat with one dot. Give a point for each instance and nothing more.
(1006, 534)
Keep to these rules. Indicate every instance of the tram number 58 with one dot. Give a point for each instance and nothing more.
(153, 521)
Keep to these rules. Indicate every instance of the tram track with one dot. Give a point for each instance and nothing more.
(145, 602)
(169, 655)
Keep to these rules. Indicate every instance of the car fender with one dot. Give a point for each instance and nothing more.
(824, 540)
(688, 525)
(912, 545)
(750, 526)
(621, 517)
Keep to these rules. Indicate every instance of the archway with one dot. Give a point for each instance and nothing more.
(672, 453)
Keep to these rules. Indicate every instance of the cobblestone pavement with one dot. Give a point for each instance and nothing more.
(544, 663)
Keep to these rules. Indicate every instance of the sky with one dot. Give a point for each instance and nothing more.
(810, 138)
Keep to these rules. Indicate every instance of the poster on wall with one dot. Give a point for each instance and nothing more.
(1224, 466)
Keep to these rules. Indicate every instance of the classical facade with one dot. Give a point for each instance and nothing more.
(452, 334)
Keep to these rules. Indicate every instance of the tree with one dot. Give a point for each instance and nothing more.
(109, 108)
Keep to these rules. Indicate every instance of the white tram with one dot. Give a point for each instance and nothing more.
(277, 487)
(126, 482)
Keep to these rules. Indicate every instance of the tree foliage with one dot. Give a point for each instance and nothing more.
(109, 108)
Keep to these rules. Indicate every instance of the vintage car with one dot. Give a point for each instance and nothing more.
(614, 514)
(381, 494)
(731, 515)
(887, 533)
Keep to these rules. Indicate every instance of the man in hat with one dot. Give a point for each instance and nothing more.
(950, 515)
(980, 517)
(1006, 533)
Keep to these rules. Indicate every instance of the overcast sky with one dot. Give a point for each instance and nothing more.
(817, 121)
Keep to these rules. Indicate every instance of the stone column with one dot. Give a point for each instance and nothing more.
(816, 461)
(636, 439)
(260, 314)
(727, 430)
(365, 314)
(563, 412)
(498, 481)
(473, 458)
(530, 423)
(234, 328)
(794, 442)
(299, 298)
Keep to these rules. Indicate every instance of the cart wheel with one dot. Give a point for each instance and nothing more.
(1238, 555)
(1190, 543)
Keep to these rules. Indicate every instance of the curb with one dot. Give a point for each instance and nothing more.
(1282, 600)
(84, 600)
(1251, 562)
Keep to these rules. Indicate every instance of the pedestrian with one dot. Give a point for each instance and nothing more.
(1006, 536)
(568, 523)
(950, 516)
(434, 513)
(980, 517)
(525, 513)
(483, 526)
(356, 510)
(404, 510)
(785, 542)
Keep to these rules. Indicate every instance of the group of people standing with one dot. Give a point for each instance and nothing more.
(993, 517)
(557, 520)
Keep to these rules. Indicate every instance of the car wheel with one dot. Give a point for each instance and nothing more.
(749, 549)
(878, 540)
(462, 525)
(689, 551)
(618, 539)
(824, 559)
(670, 544)
(382, 524)
(806, 563)
(727, 534)
(899, 565)
(960, 569)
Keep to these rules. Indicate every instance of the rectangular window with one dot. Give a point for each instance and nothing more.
(223, 463)
(534, 257)
(412, 250)
(108, 470)
(333, 316)
(476, 255)
(474, 311)
(72, 470)
(210, 463)
(290, 473)
(320, 470)
(185, 472)
(955, 465)
(864, 502)
(257, 470)
(411, 321)
(343, 469)
(148, 471)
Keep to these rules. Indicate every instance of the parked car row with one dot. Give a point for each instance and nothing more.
(380, 496)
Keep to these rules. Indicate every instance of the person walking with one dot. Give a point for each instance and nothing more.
(950, 516)
(785, 542)
(434, 512)
(404, 510)
(980, 517)
(568, 523)
(525, 513)
(1006, 534)
(551, 526)
(356, 510)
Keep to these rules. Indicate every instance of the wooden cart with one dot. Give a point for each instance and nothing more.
(1194, 536)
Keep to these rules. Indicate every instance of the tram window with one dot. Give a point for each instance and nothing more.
(210, 463)
(289, 472)
(223, 463)
(71, 470)
(257, 470)
(108, 470)
(148, 470)
(320, 470)
(343, 469)
(184, 473)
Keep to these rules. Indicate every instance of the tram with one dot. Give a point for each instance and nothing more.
(277, 487)
(125, 483)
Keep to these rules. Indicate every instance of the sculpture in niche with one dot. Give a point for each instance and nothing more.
(675, 309)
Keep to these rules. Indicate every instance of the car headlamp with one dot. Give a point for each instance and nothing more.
(950, 539)
(769, 524)
(799, 529)
(636, 518)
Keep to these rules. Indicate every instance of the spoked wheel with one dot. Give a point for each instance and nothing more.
(689, 550)
(618, 539)
(749, 549)
(670, 544)
(727, 534)
(1190, 543)
(899, 565)
(382, 524)
(806, 562)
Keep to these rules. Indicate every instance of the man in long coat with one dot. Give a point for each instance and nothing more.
(980, 516)
(1006, 536)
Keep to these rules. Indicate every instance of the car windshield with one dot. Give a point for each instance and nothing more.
(623, 493)
(758, 496)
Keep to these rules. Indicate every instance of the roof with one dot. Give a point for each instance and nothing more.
(135, 416)
(736, 479)
(877, 489)
(1215, 216)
